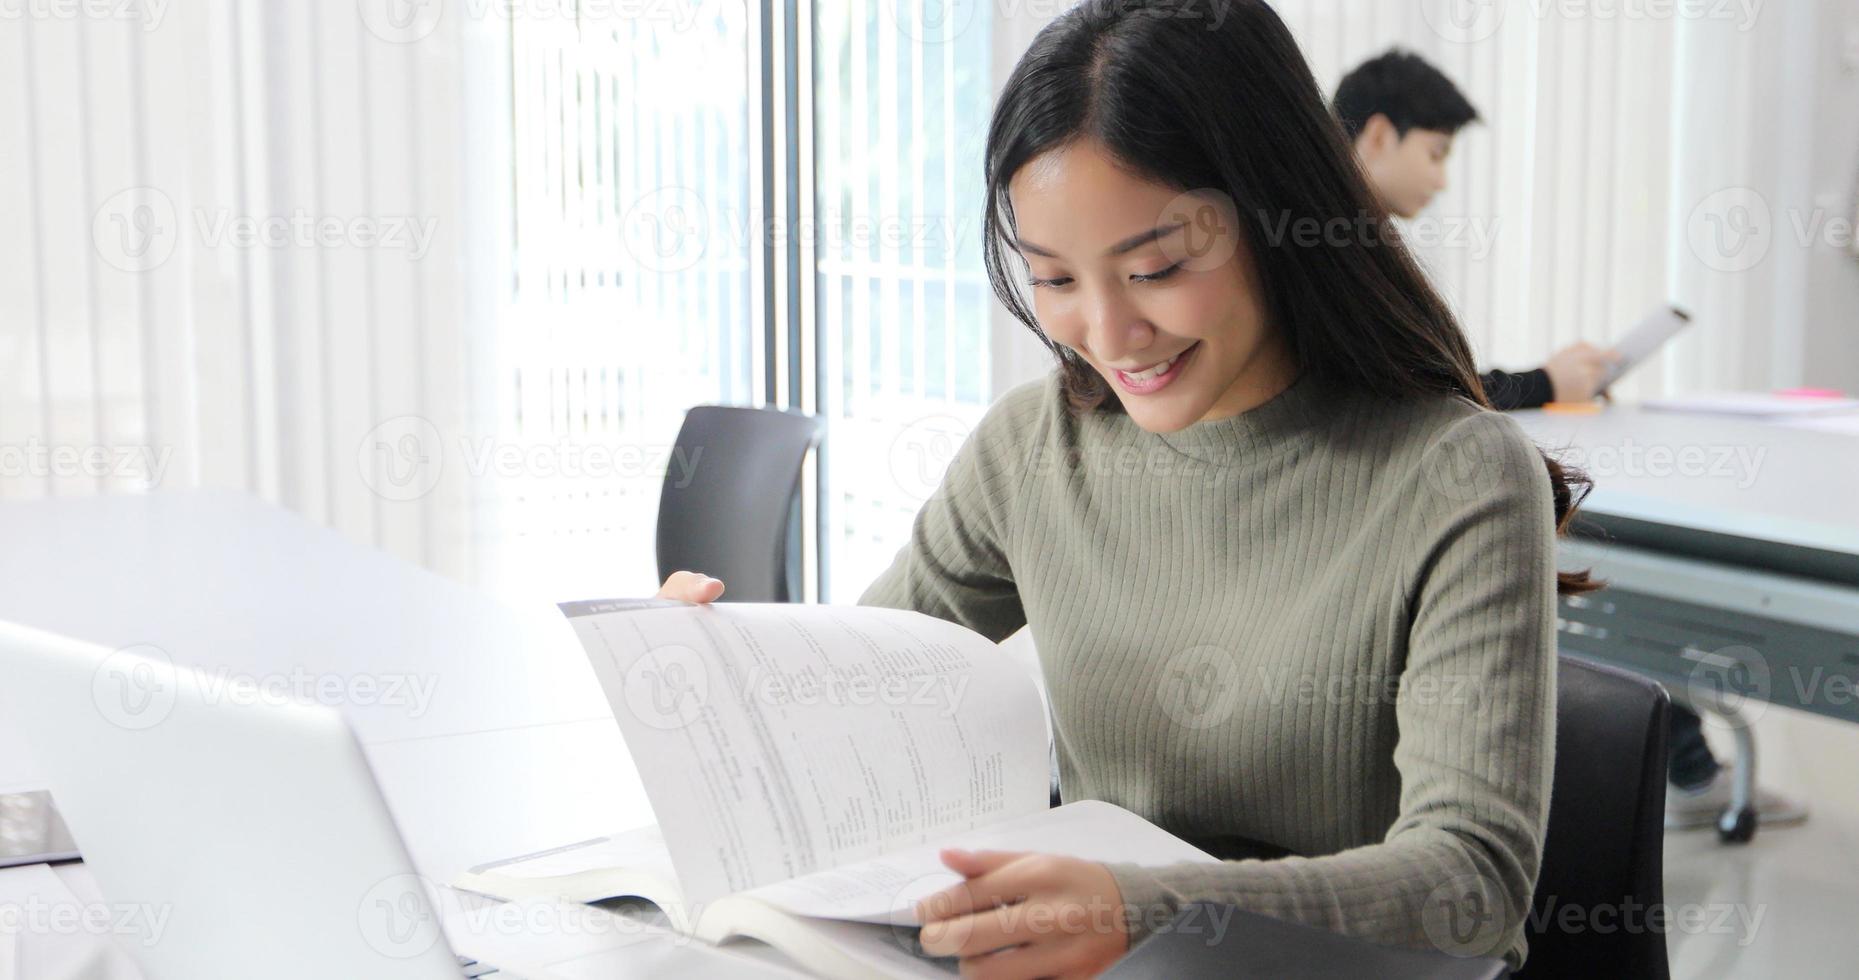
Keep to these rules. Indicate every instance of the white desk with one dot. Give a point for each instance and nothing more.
(1731, 546)
(1757, 480)
(58, 924)
(514, 751)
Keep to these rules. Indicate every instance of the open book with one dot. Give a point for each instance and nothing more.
(805, 764)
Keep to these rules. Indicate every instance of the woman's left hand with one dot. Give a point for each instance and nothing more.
(1025, 915)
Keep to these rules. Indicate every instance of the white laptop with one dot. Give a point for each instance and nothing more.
(257, 827)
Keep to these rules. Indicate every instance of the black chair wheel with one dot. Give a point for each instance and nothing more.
(1738, 827)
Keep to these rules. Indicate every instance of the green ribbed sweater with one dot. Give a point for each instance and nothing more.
(1316, 639)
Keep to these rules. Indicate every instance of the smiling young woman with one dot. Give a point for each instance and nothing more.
(1311, 626)
(1290, 579)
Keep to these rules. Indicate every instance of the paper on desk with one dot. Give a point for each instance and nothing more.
(1751, 403)
(1847, 424)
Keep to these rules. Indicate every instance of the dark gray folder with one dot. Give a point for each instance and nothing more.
(1208, 940)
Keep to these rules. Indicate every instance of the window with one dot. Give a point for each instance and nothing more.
(632, 298)
(638, 232)
(902, 100)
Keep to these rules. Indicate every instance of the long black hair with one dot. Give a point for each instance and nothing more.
(1214, 94)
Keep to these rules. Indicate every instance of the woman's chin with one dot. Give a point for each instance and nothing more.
(1159, 418)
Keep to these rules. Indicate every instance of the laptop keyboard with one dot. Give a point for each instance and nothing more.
(473, 970)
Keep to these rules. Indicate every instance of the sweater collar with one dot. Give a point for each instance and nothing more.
(1287, 420)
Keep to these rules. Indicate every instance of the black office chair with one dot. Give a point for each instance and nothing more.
(1606, 842)
(730, 507)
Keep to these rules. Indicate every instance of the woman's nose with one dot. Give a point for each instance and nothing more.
(1115, 329)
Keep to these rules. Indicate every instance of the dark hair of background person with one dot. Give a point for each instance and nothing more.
(1214, 94)
(1410, 92)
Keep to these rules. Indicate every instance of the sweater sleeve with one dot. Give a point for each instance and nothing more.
(1475, 714)
(1509, 392)
(955, 565)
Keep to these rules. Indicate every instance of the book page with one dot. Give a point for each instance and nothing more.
(886, 889)
(776, 740)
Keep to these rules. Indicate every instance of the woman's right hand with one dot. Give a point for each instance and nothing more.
(691, 587)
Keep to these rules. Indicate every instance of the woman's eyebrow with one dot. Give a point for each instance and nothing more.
(1134, 241)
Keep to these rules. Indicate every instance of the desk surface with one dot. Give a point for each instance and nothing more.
(41, 944)
(485, 725)
(1740, 477)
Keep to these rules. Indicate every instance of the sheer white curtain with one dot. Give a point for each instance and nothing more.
(243, 246)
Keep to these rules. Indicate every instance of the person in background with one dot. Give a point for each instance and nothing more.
(1402, 114)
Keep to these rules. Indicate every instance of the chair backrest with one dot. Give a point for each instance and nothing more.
(730, 497)
(1603, 859)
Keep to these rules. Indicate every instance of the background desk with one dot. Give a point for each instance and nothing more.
(1731, 548)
